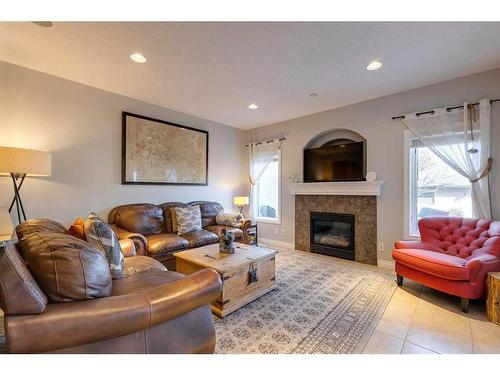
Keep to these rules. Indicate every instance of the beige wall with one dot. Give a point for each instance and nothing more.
(372, 119)
(81, 126)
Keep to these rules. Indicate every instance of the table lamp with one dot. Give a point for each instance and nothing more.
(19, 163)
(241, 201)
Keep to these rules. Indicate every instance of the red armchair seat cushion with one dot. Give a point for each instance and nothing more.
(434, 263)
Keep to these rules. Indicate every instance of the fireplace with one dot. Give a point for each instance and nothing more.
(332, 234)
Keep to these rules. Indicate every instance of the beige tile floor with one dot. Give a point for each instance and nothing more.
(419, 320)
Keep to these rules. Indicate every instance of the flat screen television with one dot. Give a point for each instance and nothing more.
(340, 162)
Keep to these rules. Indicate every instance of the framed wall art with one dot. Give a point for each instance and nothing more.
(162, 153)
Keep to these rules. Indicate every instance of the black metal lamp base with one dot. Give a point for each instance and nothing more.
(17, 180)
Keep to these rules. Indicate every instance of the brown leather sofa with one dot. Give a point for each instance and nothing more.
(58, 297)
(150, 227)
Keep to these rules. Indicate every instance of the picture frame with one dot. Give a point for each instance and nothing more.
(158, 152)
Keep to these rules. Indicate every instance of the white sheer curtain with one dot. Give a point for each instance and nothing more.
(460, 138)
(260, 155)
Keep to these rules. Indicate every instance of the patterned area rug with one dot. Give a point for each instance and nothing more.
(321, 305)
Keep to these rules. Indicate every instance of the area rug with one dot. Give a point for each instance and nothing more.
(321, 305)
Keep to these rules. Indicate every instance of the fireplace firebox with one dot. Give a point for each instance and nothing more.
(332, 234)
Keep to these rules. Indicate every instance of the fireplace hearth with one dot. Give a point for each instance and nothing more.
(332, 234)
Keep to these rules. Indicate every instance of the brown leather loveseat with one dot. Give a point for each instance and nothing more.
(150, 226)
(57, 295)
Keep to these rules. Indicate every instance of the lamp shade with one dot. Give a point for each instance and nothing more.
(240, 201)
(21, 161)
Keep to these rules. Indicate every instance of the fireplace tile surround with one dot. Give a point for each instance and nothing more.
(364, 208)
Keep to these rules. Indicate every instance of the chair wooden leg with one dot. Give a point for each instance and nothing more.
(399, 280)
(465, 304)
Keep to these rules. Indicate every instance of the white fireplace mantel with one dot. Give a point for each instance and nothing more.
(336, 188)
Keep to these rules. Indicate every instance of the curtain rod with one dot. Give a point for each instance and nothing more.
(266, 142)
(401, 117)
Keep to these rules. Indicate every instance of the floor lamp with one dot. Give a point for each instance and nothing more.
(19, 163)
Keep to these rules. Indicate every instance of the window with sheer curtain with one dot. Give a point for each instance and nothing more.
(265, 182)
(268, 192)
(448, 163)
(435, 189)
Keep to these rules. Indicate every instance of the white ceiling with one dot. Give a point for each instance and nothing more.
(215, 70)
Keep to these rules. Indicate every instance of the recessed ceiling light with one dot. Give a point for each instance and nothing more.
(253, 106)
(374, 65)
(43, 23)
(138, 58)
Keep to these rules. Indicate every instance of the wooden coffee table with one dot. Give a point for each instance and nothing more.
(246, 275)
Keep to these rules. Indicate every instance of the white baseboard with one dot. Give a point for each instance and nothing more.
(387, 264)
(382, 263)
(274, 243)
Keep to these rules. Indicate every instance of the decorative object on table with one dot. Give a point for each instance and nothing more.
(493, 297)
(240, 202)
(226, 242)
(19, 163)
(251, 235)
(163, 153)
(371, 176)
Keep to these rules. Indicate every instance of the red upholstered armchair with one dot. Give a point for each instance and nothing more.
(454, 256)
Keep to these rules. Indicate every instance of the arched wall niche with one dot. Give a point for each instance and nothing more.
(332, 135)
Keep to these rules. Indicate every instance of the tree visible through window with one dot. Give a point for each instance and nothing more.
(435, 188)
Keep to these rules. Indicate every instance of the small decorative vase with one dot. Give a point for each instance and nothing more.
(371, 176)
(226, 242)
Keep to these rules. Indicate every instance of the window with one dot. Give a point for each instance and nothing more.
(433, 187)
(268, 192)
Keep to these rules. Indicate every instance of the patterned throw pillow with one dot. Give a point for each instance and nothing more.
(100, 234)
(188, 219)
(230, 220)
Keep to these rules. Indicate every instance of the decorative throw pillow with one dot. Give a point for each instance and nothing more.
(188, 219)
(229, 219)
(77, 229)
(174, 219)
(100, 234)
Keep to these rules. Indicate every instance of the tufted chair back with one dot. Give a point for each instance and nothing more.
(461, 237)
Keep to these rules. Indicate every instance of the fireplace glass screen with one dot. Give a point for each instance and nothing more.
(332, 234)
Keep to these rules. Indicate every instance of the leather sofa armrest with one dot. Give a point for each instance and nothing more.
(64, 325)
(69, 324)
(416, 245)
(246, 223)
(172, 300)
(244, 226)
(140, 242)
(128, 248)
